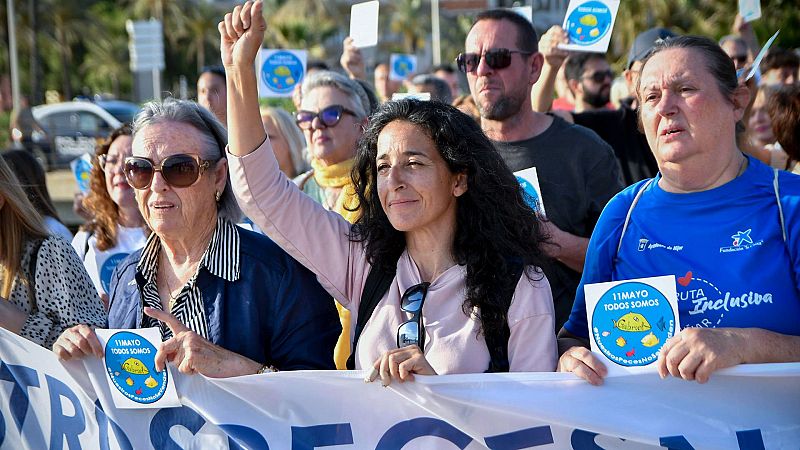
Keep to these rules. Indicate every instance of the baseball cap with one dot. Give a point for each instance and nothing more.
(645, 41)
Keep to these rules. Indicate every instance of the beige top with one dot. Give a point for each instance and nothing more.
(318, 239)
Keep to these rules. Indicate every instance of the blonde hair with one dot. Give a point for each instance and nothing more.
(294, 137)
(19, 222)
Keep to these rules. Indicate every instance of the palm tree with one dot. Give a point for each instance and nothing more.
(201, 30)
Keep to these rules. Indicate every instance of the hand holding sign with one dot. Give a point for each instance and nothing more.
(77, 342)
(352, 60)
(191, 353)
(694, 353)
(241, 34)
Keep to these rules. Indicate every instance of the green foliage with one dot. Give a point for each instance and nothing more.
(5, 136)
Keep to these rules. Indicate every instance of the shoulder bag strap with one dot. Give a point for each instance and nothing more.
(378, 282)
(37, 245)
(630, 211)
(497, 343)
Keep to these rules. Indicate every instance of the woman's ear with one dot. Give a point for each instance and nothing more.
(741, 99)
(460, 186)
(221, 174)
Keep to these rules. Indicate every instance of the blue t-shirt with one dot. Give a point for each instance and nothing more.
(724, 246)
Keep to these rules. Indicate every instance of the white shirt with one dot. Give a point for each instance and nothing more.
(100, 264)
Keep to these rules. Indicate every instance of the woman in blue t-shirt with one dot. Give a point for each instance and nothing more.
(723, 223)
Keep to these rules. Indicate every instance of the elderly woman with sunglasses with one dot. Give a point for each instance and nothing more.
(227, 301)
(442, 220)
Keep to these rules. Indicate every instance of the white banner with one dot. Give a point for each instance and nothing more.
(45, 404)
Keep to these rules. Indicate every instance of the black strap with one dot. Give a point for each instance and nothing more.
(378, 281)
(37, 245)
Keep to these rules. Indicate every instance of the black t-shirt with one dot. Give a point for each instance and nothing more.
(620, 129)
(578, 174)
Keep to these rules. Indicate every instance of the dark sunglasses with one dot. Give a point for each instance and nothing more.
(496, 58)
(178, 170)
(328, 117)
(600, 76)
(411, 331)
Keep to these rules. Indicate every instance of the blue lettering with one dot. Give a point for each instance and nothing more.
(166, 418)
(583, 440)
(404, 432)
(750, 440)
(241, 437)
(63, 426)
(23, 378)
(103, 423)
(675, 443)
(529, 437)
(309, 438)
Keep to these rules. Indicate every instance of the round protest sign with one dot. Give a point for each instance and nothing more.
(108, 268)
(281, 71)
(403, 66)
(130, 363)
(588, 23)
(530, 194)
(631, 322)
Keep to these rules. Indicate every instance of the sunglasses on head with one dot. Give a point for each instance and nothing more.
(600, 76)
(328, 116)
(410, 332)
(496, 58)
(178, 170)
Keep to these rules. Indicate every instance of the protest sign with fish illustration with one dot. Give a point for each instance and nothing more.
(588, 25)
(130, 369)
(630, 320)
(279, 71)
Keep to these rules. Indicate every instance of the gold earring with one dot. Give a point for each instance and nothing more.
(218, 195)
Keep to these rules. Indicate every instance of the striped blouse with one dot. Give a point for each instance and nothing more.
(221, 259)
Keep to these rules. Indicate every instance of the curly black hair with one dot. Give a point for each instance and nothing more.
(496, 228)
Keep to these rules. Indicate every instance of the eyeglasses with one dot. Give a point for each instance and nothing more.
(178, 170)
(328, 116)
(740, 60)
(496, 58)
(600, 76)
(411, 331)
(105, 162)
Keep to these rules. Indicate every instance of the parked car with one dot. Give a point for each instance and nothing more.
(68, 130)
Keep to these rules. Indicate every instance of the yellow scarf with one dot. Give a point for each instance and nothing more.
(338, 176)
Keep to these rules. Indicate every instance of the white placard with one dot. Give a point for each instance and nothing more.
(129, 363)
(589, 24)
(529, 181)
(757, 61)
(630, 320)
(524, 11)
(750, 10)
(364, 24)
(402, 66)
(279, 71)
(423, 96)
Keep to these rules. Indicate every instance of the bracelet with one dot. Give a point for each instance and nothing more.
(266, 368)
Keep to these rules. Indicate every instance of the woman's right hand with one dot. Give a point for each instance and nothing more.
(583, 363)
(77, 342)
(241, 34)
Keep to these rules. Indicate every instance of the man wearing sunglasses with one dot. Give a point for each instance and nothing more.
(589, 78)
(577, 171)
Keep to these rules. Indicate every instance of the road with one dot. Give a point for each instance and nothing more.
(62, 187)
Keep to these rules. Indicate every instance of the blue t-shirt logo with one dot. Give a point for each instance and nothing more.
(108, 268)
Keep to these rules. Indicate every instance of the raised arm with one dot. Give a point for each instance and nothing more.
(554, 57)
(241, 35)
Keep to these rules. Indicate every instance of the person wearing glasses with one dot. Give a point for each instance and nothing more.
(117, 228)
(332, 115)
(577, 171)
(227, 301)
(442, 218)
(44, 288)
(589, 78)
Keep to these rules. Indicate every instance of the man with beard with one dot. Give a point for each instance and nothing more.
(589, 78)
(577, 170)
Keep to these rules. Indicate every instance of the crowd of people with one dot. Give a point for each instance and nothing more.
(393, 236)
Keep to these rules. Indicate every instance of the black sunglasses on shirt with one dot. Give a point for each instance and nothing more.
(411, 332)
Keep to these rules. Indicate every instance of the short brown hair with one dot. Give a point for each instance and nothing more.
(784, 111)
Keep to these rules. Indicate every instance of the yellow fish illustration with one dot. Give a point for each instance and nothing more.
(129, 381)
(594, 32)
(282, 71)
(134, 366)
(590, 20)
(650, 340)
(632, 322)
(621, 341)
(290, 80)
(150, 382)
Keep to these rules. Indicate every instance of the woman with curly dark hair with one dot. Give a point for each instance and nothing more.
(117, 228)
(441, 215)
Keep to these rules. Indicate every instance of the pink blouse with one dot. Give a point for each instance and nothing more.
(318, 239)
